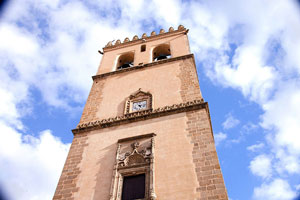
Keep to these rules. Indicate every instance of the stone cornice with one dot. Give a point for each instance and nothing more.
(143, 66)
(142, 115)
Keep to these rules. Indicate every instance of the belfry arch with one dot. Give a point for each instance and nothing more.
(125, 60)
(161, 52)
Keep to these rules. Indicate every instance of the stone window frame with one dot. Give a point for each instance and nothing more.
(138, 96)
(146, 168)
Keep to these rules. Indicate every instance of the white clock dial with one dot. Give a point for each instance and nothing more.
(140, 105)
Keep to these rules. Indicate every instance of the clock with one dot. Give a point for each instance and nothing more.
(139, 105)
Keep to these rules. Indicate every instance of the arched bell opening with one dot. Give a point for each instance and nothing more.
(125, 61)
(161, 52)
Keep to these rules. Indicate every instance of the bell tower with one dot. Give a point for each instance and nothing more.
(145, 131)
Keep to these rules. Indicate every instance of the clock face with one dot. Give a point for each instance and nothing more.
(140, 105)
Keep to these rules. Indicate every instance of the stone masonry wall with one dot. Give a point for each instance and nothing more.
(106, 100)
(67, 187)
(93, 102)
(207, 167)
(190, 89)
(198, 129)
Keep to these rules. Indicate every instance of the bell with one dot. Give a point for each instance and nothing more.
(161, 57)
(125, 65)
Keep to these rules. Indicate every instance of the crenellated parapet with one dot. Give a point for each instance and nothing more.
(144, 37)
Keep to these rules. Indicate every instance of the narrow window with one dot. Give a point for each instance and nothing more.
(143, 48)
(133, 187)
(161, 52)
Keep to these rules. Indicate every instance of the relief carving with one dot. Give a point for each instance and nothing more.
(138, 96)
(134, 156)
(181, 107)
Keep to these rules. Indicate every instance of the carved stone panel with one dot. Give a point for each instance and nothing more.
(134, 156)
(138, 101)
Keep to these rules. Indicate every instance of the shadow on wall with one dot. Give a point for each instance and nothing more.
(103, 180)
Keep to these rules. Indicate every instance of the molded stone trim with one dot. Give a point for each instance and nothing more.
(139, 95)
(137, 137)
(138, 160)
(142, 115)
(96, 77)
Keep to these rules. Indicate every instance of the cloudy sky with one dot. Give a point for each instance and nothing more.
(248, 61)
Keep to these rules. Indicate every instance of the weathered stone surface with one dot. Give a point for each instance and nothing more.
(68, 179)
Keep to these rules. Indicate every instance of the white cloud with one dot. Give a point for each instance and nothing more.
(230, 122)
(219, 137)
(286, 162)
(281, 119)
(57, 57)
(49, 56)
(263, 64)
(14, 101)
(8, 110)
(248, 127)
(50, 59)
(261, 166)
(256, 147)
(278, 189)
(282, 113)
(248, 73)
(169, 11)
(31, 164)
(17, 41)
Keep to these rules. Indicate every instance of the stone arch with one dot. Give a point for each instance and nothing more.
(125, 60)
(161, 52)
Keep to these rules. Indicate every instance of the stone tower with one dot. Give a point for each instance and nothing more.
(145, 131)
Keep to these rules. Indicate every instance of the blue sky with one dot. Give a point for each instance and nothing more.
(248, 61)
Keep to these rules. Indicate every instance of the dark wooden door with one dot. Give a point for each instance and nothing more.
(133, 187)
